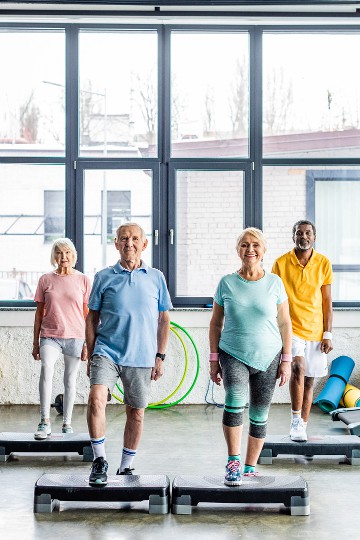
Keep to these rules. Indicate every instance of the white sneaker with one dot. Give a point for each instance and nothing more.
(297, 430)
(43, 431)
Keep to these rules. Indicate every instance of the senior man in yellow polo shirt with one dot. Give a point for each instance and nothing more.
(307, 276)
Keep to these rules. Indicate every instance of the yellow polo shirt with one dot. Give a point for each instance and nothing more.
(303, 288)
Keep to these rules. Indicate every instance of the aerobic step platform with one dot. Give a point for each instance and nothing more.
(57, 442)
(292, 491)
(64, 487)
(350, 417)
(343, 445)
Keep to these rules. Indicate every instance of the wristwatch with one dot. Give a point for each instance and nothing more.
(159, 355)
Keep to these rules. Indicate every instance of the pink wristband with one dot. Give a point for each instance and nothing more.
(286, 357)
(214, 357)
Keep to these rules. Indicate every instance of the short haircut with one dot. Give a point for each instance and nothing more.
(143, 235)
(63, 243)
(257, 233)
(303, 222)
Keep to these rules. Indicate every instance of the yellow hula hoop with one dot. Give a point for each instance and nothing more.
(180, 383)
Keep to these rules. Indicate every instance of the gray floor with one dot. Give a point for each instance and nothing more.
(182, 440)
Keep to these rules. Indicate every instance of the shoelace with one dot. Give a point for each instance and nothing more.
(233, 466)
(99, 466)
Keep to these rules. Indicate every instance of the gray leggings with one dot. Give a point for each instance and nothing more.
(238, 378)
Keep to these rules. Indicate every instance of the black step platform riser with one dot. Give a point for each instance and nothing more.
(52, 487)
(344, 445)
(189, 491)
(18, 443)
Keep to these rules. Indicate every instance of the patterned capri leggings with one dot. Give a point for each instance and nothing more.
(238, 377)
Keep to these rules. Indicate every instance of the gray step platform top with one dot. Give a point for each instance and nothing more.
(316, 445)
(71, 487)
(215, 484)
(57, 442)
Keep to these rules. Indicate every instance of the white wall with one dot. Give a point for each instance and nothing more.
(19, 373)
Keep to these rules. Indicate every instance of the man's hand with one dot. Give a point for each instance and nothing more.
(158, 370)
(326, 346)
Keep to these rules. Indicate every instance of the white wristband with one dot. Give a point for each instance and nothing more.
(327, 335)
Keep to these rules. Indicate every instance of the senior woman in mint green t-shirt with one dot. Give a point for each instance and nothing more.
(250, 347)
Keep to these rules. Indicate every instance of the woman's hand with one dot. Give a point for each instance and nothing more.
(36, 351)
(84, 353)
(284, 372)
(215, 372)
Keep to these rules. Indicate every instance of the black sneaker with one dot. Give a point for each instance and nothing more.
(126, 472)
(98, 476)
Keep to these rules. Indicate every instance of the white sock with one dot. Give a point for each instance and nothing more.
(305, 424)
(98, 447)
(127, 458)
(295, 414)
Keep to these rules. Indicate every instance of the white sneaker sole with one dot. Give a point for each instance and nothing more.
(297, 438)
(233, 483)
(41, 437)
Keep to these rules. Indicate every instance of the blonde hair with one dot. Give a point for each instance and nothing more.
(257, 233)
(61, 243)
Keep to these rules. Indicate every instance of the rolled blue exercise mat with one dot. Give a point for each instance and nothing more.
(330, 395)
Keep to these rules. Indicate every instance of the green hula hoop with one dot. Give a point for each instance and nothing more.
(180, 383)
(167, 405)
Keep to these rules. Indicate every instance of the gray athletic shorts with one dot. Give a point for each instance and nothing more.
(68, 346)
(136, 380)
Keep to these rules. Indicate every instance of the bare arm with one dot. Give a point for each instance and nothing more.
(216, 326)
(91, 324)
(285, 327)
(39, 315)
(162, 339)
(326, 344)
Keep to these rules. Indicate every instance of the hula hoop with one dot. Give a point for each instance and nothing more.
(180, 383)
(167, 405)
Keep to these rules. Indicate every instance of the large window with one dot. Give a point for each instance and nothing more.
(194, 131)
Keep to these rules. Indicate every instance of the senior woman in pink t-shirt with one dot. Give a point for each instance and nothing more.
(61, 296)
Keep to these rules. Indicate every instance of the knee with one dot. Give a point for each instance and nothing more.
(135, 415)
(309, 383)
(232, 419)
(257, 431)
(96, 402)
(298, 367)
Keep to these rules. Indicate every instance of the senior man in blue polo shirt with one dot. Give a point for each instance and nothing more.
(127, 330)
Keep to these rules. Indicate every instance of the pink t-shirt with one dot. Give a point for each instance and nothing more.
(64, 297)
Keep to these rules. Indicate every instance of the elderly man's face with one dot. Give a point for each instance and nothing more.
(304, 237)
(130, 243)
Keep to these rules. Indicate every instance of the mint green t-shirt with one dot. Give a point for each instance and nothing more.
(251, 333)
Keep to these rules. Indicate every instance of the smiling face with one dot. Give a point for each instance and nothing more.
(304, 237)
(64, 257)
(251, 251)
(130, 244)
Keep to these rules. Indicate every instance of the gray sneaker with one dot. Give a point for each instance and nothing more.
(43, 431)
(67, 429)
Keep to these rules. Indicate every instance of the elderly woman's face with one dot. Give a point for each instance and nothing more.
(64, 257)
(251, 250)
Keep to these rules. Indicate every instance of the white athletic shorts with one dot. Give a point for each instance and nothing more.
(315, 360)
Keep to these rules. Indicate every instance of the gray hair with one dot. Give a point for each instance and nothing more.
(303, 222)
(59, 244)
(143, 234)
(257, 233)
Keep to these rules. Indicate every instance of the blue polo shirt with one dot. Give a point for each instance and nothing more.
(129, 305)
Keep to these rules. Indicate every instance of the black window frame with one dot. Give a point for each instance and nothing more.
(164, 165)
